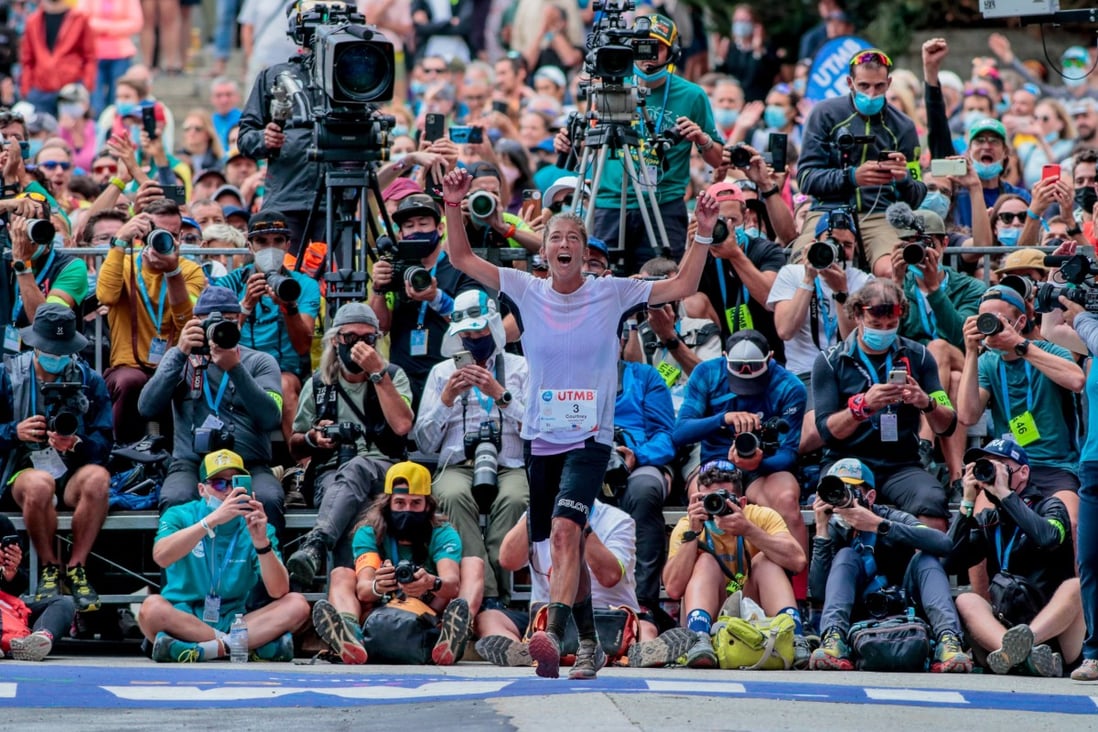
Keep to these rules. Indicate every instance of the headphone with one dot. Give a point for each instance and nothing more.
(675, 54)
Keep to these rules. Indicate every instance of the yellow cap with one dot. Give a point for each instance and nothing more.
(417, 477)
(218, 461)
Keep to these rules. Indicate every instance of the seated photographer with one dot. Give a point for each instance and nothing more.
(148, 320)
(350, 424)
(43, 622)
(278, 307)
(223, 396)
(411, 306)
(1034, 592)
(404, 551)
(55, 430)
(471, 410)
(487, 222)
(870, 393)
(862, 561)
(724, 544)
(609, 554)
(215, 550)
(745, 408)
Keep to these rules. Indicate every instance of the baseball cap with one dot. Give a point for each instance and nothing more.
(267, 222)
(987, 125)
(473, 310)
(355, 312)
(417, 477)
(1001, 447)
(215, 299)
(852, 470)
(219, 461)
(400, 189)
(553, 74)
(545, 145)
(234, 153)
(1007, 294)
(419, 204)
(598, 245)
(747, 353)
(1020, 259)
(230, 189)
(663, 29)
(725, 191)
(564, 183)
(229, 211)
(1075, 53)
(188, 221)
(74, 92)
(210, 172)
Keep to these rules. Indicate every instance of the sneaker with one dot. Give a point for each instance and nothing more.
(832, 655)
(291, 487)
(280, 650)
(589, 659)
(802, 651)
(85, 596)
(33, 647)
(170, 650)
(1043, 662)
(306, 561)
(545, 650)
(455, 633)
(502, 651)
(1016, 645)
(661, 651)
(49, 583)
(950, 657)
(700, 653)
(1088, 671)
(336, 632)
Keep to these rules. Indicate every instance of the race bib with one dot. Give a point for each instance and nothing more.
(1024, 429)
(569, 410)
(11, 339)
(669, 372)
(739, 317)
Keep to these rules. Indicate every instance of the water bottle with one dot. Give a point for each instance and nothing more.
(238, 640)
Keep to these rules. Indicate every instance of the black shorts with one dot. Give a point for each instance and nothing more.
(564, 485)
(1051, 480)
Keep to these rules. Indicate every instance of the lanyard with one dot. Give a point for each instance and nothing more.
(830, 319)
(215, 579)
(926, 314)
(1006, 392)
(724, 287)
(159, 318)
(485, 401)
(873, 374)
(1004, 555)
(37, 280)
(423, 305)
(212, 403)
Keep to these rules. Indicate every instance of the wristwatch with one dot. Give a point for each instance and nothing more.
(504, 399)
(20, 267)
(689, 535)
(672, 343)
(840, 297)
(772, 192)
(1022, 348)
(376, 377)
(437, 585)
(883, 527)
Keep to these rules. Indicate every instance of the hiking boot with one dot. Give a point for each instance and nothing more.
(700, 653)
(170, 650)
(589, 659)
(291, 487)
(1088, 671)
(337, 633)
(661, 651)
(949, 656)
(85, 596)
(455, 633)
(802, 651)
(545, 650)
(832, 655)
(1043, 662)
(49, 583)
(280, 650)
(33, 647)
(1015, 648)
(502, 651)
(307, 561)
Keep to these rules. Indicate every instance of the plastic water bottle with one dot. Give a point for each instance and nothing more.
(238, 640)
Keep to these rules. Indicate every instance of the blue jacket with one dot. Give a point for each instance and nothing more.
(643, 410)
(709, 396)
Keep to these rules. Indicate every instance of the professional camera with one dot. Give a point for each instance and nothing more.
(766, 438)
(721, 231)
(891, 600)
(612, 48)
(984, 471)
(160, 241)
(822, 254)
(989, 324)
(847, 140)
(617, 472)
(740, 156)
(482, 204)
(65, 402)
(406, 257)
(40, 231)
(482, 447)
(405, 571)
(1074, 271)
(219, 331)
(837, 492)
(715, 503)
(285, 287)
(900, 216)
(207, 440)
(345, 435)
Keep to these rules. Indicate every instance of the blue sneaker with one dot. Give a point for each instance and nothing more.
(279, 650)
(167, 649)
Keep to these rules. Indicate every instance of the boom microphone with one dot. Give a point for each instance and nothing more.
(900, 216)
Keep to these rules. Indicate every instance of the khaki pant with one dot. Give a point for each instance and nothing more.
(877, 234)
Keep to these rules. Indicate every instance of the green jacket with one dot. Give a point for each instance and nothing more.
(956, 299)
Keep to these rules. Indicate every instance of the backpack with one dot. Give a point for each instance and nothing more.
(618, 629)
(14, 620)
(401, 632)
(744, 638)
(896, 643)
(1014, 600)
(137, 473)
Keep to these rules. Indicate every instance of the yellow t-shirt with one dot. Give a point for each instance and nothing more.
(725, 545)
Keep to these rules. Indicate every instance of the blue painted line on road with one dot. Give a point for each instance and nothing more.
(51, 685)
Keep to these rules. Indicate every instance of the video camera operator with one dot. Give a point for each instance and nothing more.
(223, 396)
(886, 146)
(55, 431)
(862, 553)
(472, 401)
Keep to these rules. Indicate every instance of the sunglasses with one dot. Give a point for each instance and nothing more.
(105, 169)
(220, 484)
(1006, 217)
(884, 310)
(989, 140)
(468, 314)
(869, 57)
(192, 239)
(745, 367)
(55, 164)
(977, 93)
(559, 206)
(193, 128)
(427, 70)
(6, 118)
(349, 339)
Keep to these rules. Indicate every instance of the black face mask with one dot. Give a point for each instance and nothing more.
(1085, 198)
(481, 349)
(347, 361)
(414, 526)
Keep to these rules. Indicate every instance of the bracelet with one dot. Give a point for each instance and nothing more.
(174, 272)
(805, 286)
(706, 146)
(118, 183)
(309, 440)
(265, 550)
(117, 243)
(857, 406)
(373, 589)
(1031, 215)
(969, 505)
(510, 232)
(706, 240)
(205, 525)
(451, 203)
(291, 308)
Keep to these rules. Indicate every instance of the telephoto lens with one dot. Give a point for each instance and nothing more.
(835, 491)
(739, 156)
(222, 333)
(161, 240)
(823, 254)
(720, 231)
(286, 288)
(984, 471)
(915, 253)
(64, 423)
(419, 278)
(41, 231)
(747, 444)
(482, 204)
(989, 324)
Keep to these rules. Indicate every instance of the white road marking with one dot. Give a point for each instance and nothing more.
(724, 687)
(916, 695)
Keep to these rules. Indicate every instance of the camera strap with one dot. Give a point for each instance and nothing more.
(820, 305)
(864, 544)
(423, 305)
(1004, 555)
(743, 559)
(350, 403)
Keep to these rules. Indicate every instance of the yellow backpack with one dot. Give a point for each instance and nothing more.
(754, 642)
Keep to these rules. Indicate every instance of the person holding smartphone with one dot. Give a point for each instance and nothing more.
(46, 620)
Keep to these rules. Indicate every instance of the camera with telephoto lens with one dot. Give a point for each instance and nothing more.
(219, 331)
(721, 231)
(285, 287)
(406, 258)
(989, 324)
(716, 503)
(766, 438)
(161, 241)
(345, 435)
(482, 447)
(39, 231)
(65, 402)
(617, 472)
(612, 48)
(405, 571)
(984, 471)
(836, 492)
(482, 205)
(891, 600)
(824, 253)
(1074, 273)
(915, 251)
(739, 156)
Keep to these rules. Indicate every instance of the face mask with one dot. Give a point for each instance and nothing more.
(1009, 237)
(917, 270)
(937, 202)
(752, 232)
(481, 349)
(868, 105)
(126, 109)
(347, 361)
(877, 339)
(1085, 198)
(1074, 83)
(75, 111)
(213, 502)
(43, 248)
(987, 171)
(743, 28)
(410, 525)
(1052, 137)
(419, 245)
(417, 88)
(725, 118)
(268, 259)
(774, 116)
(799, 85)
(650, 78)
(1003, 106)
(53, 364)
(399, 131)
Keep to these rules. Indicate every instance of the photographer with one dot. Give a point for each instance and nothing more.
(416, 320)
(150, 296)
(1026, 543)
(834, 143)
(744, 401)
(861, 554)
(871, 392)
(738, 541)
(497, 228)
(466, 404)
(55, 430)
(205, 588)
(278, 306)
(350, 423)
(222, 396)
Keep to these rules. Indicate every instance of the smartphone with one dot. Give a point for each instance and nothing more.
(500, 106)
(463, 359)
(777, 144)
(897, 376)
(243, 481)
(885, 156)
(148, 121)
(941, 168)
(531, 203)
(9, 540)
(466, 135)
(434, 126)
(24, 149)
(175, 193)
(1050, 171)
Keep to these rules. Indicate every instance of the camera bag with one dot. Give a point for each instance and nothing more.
(745, 639)
(618, 629)
(401, 632)
(896, 643)
(1014, 600)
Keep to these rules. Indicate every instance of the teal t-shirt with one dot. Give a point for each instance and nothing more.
(190, 579)
(1051, 406)
(445, 544)
(676, 98)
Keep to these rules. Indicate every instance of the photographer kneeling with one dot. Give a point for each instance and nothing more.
(861, 558)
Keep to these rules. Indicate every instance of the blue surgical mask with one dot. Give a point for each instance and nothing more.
(775, 116)
(126, 109)
(650, 78)
(987, 171)
(799, 85)
(937, 202)
(1009, 237)
(213, 502)
(752, 232)
(398, 131)
(481, 349)
(53, 364)
(725, 118)
(1073, 82)
(743, 28)
(417, 88)
(1052, 137)
(877, 339)
(867, 105)
(741, 237)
